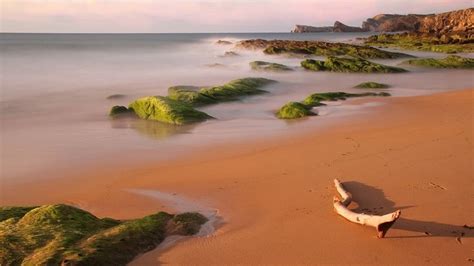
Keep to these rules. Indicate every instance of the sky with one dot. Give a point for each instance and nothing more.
(201, 15)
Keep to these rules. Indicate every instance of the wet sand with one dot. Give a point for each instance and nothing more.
(275, 196)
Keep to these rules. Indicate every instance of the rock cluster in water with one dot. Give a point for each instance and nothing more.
(267, 66)
(345, 64)
(179, 106)
(317, 48)
(294, 110)
(451, 61)
(65, 235)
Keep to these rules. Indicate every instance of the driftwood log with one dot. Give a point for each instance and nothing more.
(381, 222)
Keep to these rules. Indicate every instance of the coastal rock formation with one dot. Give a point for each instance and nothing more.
(371, 85)
(316, 99)
(392, 22)
(317, 48)
(448, 22)
(341, 27)
(451, 61)
(446, 43)
(293, 110)
(119, 110)
(338, 27)
(304, 28)
(267, 66)
(190, 95)
(166, 110)
(341, 64)
(64, 235)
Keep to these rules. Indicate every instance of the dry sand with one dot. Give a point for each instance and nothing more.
(275, 196)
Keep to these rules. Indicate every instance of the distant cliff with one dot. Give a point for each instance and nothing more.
(391, 22)
(338, 27)
(453, 21)
(304, 28)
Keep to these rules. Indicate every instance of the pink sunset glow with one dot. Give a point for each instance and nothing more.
(199, 15)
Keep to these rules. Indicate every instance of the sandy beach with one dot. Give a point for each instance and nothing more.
(275, 196)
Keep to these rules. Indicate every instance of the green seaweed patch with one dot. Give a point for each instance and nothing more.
(344, 64)
(372, 85)
(448, 43)
(118, 110)
(316, 99)
(62, 234)
(452, 61)
(293, 110)
(267, 66)
(234, 89)
(319, 48)
(190, 95)
(166, 110)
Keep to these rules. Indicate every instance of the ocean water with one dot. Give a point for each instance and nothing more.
(54, 90)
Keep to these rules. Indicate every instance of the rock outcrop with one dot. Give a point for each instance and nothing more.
(338, 27)
(275, 47)
(448, 22)
(349, 65)
(304, 28)
(393, 23)
(341, 27)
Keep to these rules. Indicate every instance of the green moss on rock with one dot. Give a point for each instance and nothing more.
(62, 234)
(451, 61)
(315, 99)
(166, 110)
(267, 66)
(189, 94)
(293, 110)
(318, 48)
(343, 64)
(236, 88)
(119, 110)
(447, 43)
(371, 85)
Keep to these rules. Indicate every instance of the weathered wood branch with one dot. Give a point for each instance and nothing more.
(381, 222)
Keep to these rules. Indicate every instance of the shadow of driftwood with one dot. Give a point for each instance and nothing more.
(372, 200)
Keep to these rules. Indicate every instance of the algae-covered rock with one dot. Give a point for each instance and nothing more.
(318, 48)
(267, 66)
(372, 85)
(119, 110)
(236, 88)
(293, 110)
(315, 99)
(343, 64)
(189, 94)
(167, 110)
(62, 234)
(451, 61)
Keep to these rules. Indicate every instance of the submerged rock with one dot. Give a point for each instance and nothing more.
(166, 110)
(315, 99)
(229, 54)
(64, 235)
(119, 110)
(372, 85)
(236, 88)
(343, 64)
(116, 96)
(454, 42)
(267, 66)
(293, 110)
(318, 48)
(451, 61)
(223, 42)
